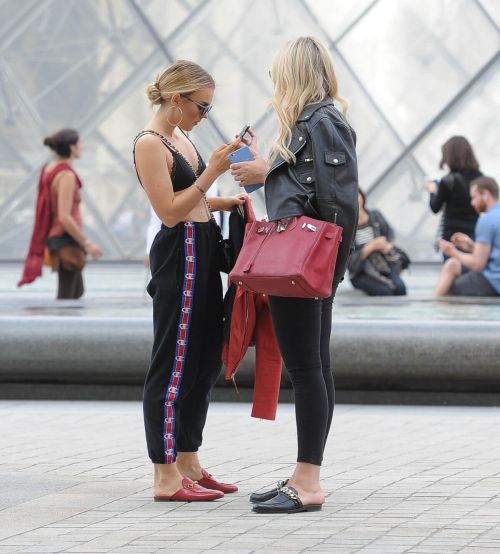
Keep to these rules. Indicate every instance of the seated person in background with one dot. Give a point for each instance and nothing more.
(475, 272)
(375, 264)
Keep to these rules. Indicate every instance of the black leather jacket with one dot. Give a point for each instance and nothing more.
(323, 183)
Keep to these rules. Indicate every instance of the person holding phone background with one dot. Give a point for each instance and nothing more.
(185, 284)
(312, 170)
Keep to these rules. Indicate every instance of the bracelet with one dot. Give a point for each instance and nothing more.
(199, 188)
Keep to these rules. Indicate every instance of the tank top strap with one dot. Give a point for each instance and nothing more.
(165, 143)
(163, 139)
(62, 166)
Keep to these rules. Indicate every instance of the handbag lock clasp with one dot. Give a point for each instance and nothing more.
(282, 225)
(309, 226)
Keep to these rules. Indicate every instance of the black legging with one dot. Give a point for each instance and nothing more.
(303, 327)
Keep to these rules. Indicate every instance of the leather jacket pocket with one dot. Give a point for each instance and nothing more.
(335, 158)
(305, 176)
(337, 162)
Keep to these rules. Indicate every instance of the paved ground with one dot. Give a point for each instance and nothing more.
(74, 478)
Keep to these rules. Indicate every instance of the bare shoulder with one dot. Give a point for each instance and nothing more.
(66, 178)
(149, 148)
(149, 143)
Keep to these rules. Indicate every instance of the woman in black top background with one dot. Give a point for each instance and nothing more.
(452, 190)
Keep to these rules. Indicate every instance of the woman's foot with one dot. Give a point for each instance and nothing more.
(209, 482)
(167, 480)
(288, 501)
(301, 493)
(188, 492)
(189, 465)
(267, 495)
(170, 484)
(311, 495)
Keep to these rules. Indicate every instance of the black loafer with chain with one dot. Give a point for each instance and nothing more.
(287, 501)
(264, 496)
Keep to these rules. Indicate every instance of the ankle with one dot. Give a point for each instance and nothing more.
(193, 471)
(305, 484)
(165, 474)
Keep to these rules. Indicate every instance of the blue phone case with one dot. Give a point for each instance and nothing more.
(244, 154)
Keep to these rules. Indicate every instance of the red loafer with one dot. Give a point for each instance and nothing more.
(190, 492)
(209, 482)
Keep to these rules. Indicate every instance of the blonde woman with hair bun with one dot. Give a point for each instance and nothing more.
(185, 285)
(311, 170)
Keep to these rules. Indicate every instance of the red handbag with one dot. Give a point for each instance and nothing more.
(290, 257)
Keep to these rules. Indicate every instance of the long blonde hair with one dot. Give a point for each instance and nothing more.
(181, 77)
(303, 74)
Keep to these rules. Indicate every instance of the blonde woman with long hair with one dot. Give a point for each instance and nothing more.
(312, 170)
(185, 285)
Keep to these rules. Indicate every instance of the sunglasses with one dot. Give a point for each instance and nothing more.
(204, 108)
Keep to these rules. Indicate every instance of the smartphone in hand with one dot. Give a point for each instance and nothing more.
(244, 131)
(244, 154)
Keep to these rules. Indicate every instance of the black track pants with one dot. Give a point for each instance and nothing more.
(303, 327)
(187, 316)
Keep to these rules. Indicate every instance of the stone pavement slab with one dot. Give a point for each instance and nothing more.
(74, 477)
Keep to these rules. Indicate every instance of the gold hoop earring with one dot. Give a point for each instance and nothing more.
(168, 119)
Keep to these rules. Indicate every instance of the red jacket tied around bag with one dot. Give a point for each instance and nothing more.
(251, 325)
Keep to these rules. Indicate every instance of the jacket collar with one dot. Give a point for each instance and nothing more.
(308, 111)
(298, 139)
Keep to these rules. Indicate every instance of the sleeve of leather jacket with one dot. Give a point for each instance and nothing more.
(335, 169)
(356, 260)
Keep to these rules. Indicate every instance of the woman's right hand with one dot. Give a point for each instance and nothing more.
(431, 187)
(251, 142)
(219, 161)
(93, 250)
(379, 244)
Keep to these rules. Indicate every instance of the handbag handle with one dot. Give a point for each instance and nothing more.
(267, 228)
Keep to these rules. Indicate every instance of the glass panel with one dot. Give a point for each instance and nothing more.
(404, 66)
(415, 56)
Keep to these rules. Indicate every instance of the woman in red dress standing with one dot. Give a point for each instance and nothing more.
(58, 220)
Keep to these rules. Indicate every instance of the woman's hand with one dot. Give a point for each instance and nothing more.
(463, 241)
(431, 187)
(250, 173)
(379, 244)
(93, 250)
(447, 248)
(250, 142)
(219, 161)
(227, 203)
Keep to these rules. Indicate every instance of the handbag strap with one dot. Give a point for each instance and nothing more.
(263, 227)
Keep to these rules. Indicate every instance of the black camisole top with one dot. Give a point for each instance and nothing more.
(183, 174)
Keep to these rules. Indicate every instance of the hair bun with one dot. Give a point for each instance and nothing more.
(48, 141)
(154, 94)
